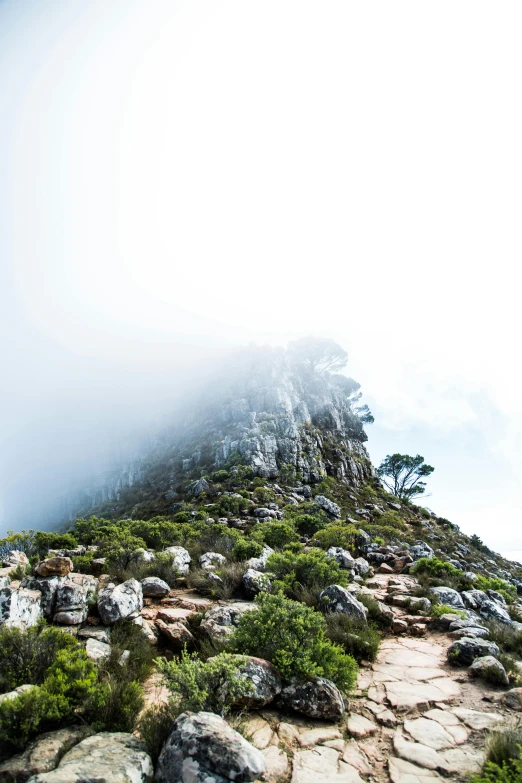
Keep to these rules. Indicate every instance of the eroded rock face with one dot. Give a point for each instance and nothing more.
(331, 508)
(256, 581)
(117, 603)
(108, 757)
(48, 587)
(337, 599)
(421, 549)
(73, 597)
(317, 698)
(487, 607)
(342, 557)
(202, 747)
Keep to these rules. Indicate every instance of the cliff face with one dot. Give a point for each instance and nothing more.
(263, 411)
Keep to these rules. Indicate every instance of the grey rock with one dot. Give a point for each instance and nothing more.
(99, 632)
(97, 650)
(337, 599)
(259, 563)
(16, 692)
(117, 603)
(211, 560)
(203, 748)
(264, 513)
(486, 607)
(197, 488)
(180, 558)
(108, 757)
(342, 556)
(331, 508)
(20, 607)
(264, 678)
(73, 597)
(42, 755)
(15, 558)
(476, 632)
(465, 650)
(489, 669)
(421, 549)
(317, 698)
(448, 596)
(154, 587)
(220, 621)
(48, 587)
(256, 581)
(362, 540)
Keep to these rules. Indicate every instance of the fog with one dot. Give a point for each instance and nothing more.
(177, 179)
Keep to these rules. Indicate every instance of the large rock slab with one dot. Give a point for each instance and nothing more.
(20, 608)
(405, 696)
(430, 733)
(48, 587)
(154, 587)
(486, 606)
(73, 597)
(317, 698)
(335, 598)
(489, 669)
(449, 597)
(264, 679)
(108, 757)
(118, 602)
(322, 765)
(42, 755)
(478, 721)
(202, 747)
(402, 771)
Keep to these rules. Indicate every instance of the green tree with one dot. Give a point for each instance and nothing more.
(402, 475)
(318, 354)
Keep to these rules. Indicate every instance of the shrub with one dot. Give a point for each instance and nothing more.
(507, 638)
(313, 570)
(68, 685)
(154, 727)
(434, 567)
(245, 548)
(374, 615)
(308, 524)
(212, 685)
(219, 476)
(263, 495)
(357, 638)
(231, 505)
(275, 534)
(336, 535)
(27, 655)
(231, 575)
(82, 564)
(161, 567)
(293, 637)
(500, 585)
(503, 757)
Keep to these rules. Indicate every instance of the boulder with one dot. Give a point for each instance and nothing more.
(202, 747)
(196, 488)
(42, 755)
(331, 508)
(264, 513)
(99, 632)
(361, 566)
(342, 557)
(180, 558)
(211, 560)
(259, 563)
(362, 540)
(16, 692)
(337, 599)
(48, 587)
(154, 587)
(117, 603)
(264, 679)
(97, 650)
(108, 757)
(20, 607)
(317, 698)
(475, 632)
(15, 558)
(73, 597)
(465, 650)
(421, 549)
(54, 566)
(486, 606)
(256, 581)
(489, 669)
(512, 699)
(220, 621)
(449, 597)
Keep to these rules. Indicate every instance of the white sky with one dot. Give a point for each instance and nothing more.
(178, 177)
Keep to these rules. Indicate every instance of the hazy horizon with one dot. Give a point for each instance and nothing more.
(178, 179)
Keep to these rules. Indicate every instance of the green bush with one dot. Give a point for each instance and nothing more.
(336, 535)
(503, 757)
(500, 585)
(161, 567)
(69, 684)
(506, 637)
(212, 686)
(245, 548)
(374, 615)
(312, 570)
(437, 610)
(434, 567)
(82, 564)
(219, 476)
(275, 534)
(26, 656)
(263, 495)
(357, 638)
(293, 637)
(231, 505)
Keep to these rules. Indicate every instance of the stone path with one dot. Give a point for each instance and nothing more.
(413, 719)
